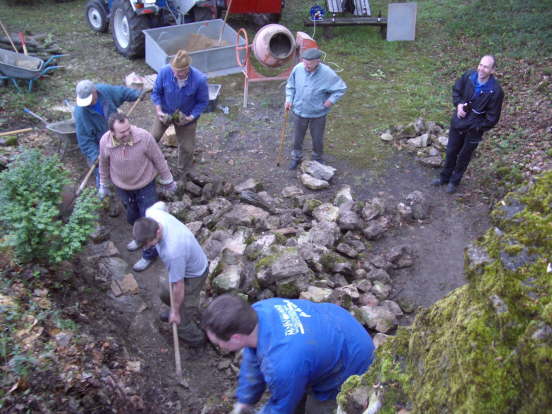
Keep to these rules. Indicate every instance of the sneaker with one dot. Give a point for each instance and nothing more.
(294, 164)
(451, 188)
(142, 264)
(133, 246)
(438, 181)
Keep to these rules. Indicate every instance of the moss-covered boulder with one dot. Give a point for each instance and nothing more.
(487, 346)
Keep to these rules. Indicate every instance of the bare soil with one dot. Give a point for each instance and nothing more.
(244, 144)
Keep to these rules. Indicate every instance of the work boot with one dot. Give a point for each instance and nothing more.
(164, 315)
(451, 188)
(192, 335)
(133, 246)
(142, 264)
(294, 164)
(438, 181)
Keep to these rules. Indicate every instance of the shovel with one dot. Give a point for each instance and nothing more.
(282, 138)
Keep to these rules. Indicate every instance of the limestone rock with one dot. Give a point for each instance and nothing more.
(386, 136)
(400, 256)
(434, 161)
(376, 228)
(393, 307)
(381, 290)
(249, 184)
(193, 188)
(373, 209)
(316, 294)
(418, 204)
(379, 339)
(313, 183)
(245, 215)
(343, 195)
(126, 285)
(229, 279)
(324, 233)
(378, 318)
(195, 227)
(326, 212)
(111, 268)
(318, 170)
(260, 246)
(348, 219)
(291, 191)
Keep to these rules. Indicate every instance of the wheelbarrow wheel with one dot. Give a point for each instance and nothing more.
(127, 27)
(96, 16)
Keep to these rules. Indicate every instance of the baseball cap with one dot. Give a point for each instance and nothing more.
(85, 89)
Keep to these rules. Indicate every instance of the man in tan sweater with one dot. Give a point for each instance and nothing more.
(131, 159)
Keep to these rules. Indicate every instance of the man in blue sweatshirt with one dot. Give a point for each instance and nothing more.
(311, 90)
(180, 96)
(302, 351)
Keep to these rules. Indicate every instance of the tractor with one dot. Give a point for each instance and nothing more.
(128, 18)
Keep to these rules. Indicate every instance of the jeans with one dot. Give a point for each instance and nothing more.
(136, 202)
(316, 127)
(460, 148)
(185, 137)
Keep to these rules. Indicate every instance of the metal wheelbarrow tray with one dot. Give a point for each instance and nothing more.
(162, 43)
(15, 66)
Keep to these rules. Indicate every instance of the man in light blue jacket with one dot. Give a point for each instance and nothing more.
(311, 90)
(302, 351)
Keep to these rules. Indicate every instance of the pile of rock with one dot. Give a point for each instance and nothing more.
(293, 246)
(427, 139)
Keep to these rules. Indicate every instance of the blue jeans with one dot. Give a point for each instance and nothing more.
(136, 202)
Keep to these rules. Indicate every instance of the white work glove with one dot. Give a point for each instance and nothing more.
(103, 191)
(241, 408)
(169, 188)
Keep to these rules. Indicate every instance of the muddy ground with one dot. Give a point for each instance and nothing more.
(239, 145)
(244, 144)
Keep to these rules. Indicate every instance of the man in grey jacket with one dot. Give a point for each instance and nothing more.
(311, 90)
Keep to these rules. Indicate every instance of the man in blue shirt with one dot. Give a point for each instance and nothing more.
(95, 104)
(180, 96)
(311, 90)
(301, 350)
(477, 98)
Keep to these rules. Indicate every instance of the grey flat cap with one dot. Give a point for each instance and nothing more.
(311, 54)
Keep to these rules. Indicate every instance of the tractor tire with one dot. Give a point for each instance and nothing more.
(126, 28)
(201, 13)
(95, 14)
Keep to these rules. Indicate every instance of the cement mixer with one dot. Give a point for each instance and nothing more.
(273, 46)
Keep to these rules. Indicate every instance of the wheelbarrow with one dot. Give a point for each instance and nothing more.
(14, 66)
(65, 130)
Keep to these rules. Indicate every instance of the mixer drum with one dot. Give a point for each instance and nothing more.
(273, 45)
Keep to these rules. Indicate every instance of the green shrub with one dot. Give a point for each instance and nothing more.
(30, 197)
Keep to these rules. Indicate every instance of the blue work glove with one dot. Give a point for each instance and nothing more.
(103, 191)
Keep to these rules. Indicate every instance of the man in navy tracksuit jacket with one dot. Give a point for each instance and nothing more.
(477, 98)
(295, 347)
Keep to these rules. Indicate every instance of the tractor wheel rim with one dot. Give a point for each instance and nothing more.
(94, 18)
(121, 29)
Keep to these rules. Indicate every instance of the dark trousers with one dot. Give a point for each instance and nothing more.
(136, 202)
(316, 127)
(460, 148)
(310, 405)
(188, 329)
(185, 138)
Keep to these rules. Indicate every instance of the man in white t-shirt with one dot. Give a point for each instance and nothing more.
(187, 268)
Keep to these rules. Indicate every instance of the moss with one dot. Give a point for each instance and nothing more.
(464, 356)
(280, 238)
(329, 260)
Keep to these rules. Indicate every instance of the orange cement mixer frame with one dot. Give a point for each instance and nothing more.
(302, 41)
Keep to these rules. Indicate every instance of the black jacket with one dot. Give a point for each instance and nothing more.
(485, 107)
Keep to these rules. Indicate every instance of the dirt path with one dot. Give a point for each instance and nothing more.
(243, 144)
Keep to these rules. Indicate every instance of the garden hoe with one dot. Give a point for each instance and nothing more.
(282, 138)
(179, 378)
